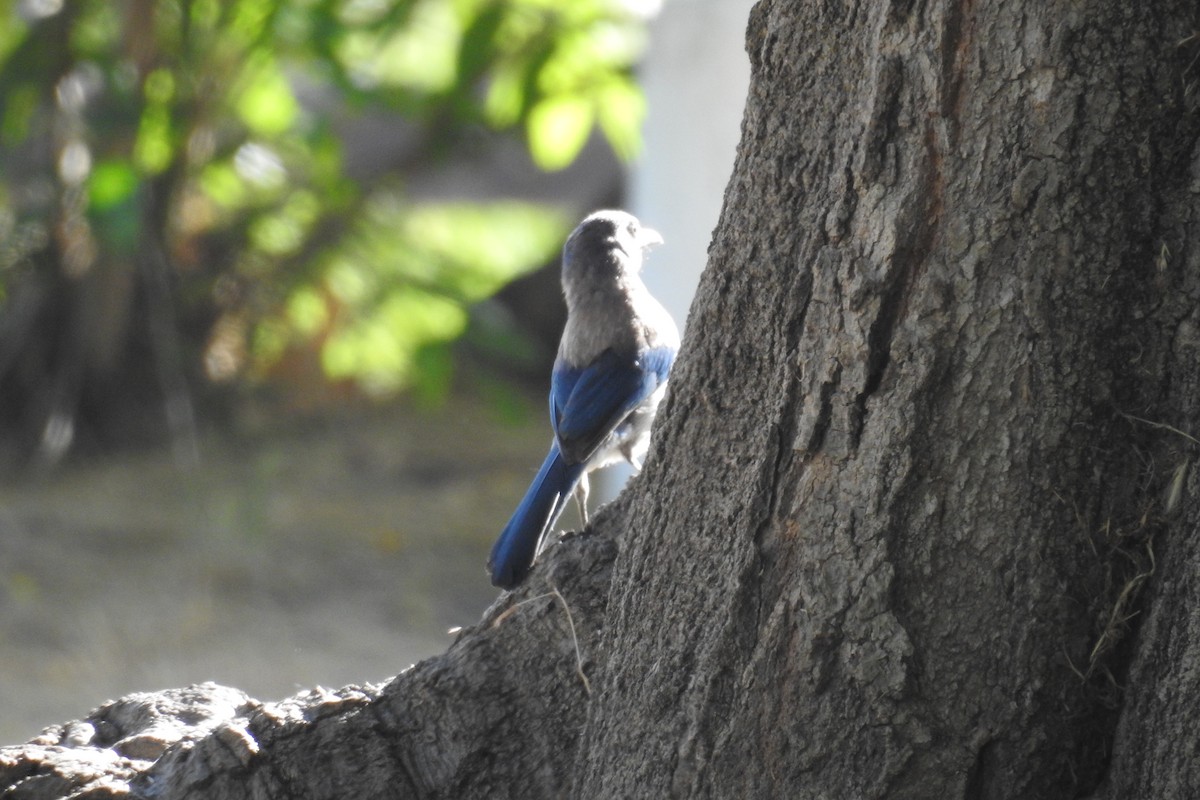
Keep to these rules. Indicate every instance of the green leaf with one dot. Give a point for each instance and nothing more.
(478, 45)
(110, 183)
(349, 281)
(153, 148)
(398, 289)
(380, 352)
(222, 183)
(420, 55)
(284, 231)
(12, 33)
(505, 97)
(205, 13)
(307, 311)
(622, 108)
(267, 105)
(558, 127)
(97, 29)
(269, 341)
(471, 250)
(433, 369)
(159, 86)
(249, 20)
(19, 109)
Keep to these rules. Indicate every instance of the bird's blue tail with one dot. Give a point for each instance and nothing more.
(513, 553)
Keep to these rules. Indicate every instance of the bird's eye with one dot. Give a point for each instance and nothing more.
(632, 228)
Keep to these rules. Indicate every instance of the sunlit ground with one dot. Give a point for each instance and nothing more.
(335, 554)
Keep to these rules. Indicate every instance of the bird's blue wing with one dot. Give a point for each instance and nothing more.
(562, 383)
(658, 360)
(587, 403)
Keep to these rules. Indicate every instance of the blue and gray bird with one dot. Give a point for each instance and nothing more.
(608, 379)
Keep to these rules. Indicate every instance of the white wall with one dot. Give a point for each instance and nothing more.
(695, 76)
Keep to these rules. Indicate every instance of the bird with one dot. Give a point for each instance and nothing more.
(608, 379)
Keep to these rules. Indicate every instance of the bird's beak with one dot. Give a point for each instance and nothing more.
(648, 238)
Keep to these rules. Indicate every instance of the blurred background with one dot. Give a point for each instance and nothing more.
(278, 303)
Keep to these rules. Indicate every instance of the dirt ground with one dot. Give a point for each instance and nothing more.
(339, 553)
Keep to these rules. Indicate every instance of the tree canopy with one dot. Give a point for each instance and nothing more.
(179, 209)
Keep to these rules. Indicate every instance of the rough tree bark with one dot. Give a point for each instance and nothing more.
(920, 515)
(917, 448)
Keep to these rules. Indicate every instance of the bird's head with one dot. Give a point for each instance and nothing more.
(609, 237)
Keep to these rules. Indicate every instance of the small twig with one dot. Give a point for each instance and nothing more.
(1118, 619)
(1161, 425)
(1071, 663)
(1175, 491)
(587, 685)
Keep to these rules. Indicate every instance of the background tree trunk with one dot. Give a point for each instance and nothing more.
(930, 437)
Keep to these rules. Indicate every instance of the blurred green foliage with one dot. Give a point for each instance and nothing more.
(172, 181)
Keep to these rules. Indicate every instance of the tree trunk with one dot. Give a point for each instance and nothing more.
(929, 440)
(912, 472)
